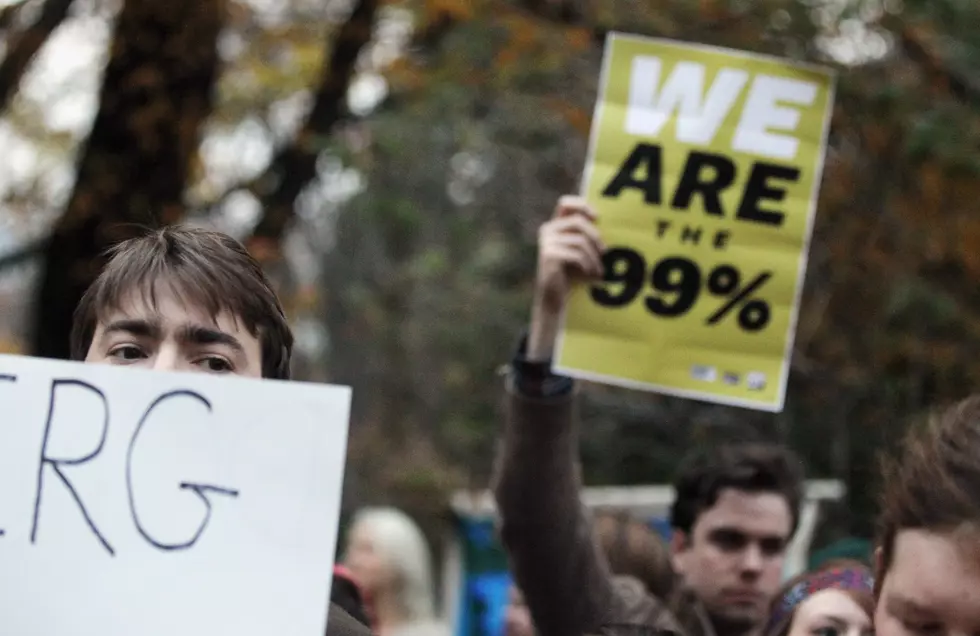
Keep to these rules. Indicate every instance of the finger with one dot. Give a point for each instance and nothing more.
(580, 225)
(575, 250)
(585, 246)
(577, 242)
(570, 205)
(574, 261)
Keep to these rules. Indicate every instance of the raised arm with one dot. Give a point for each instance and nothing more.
(547, 533)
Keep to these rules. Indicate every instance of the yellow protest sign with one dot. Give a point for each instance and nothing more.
(704, 165)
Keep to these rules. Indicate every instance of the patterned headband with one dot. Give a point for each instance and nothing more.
(830, 579)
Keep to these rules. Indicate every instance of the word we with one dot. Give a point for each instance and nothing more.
(698, 115)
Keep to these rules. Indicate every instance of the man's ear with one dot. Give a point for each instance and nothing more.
(679, 545)
(879, 570)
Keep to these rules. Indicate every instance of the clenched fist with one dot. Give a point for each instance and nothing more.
(569, 250)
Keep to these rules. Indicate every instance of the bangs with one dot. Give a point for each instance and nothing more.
(192, 288)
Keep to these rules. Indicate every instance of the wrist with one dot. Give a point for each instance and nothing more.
(534, 378)
(545, 322)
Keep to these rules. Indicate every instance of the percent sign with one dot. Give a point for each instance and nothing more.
(679, 282)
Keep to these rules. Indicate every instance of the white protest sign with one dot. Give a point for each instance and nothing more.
(137, 503)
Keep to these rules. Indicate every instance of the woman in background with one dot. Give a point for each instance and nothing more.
(835, 600)
(390, 560)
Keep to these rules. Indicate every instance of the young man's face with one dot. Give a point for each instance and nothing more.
(172, 336)
(932, 585)
(733, 558)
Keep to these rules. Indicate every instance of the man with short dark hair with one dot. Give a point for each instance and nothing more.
(183, 299)
(736, 507)
(735, 510)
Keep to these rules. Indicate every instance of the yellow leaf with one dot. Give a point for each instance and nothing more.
(579, 39)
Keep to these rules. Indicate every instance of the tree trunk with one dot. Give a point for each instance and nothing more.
(156, 93)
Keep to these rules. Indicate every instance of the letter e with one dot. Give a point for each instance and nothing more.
(763, 113)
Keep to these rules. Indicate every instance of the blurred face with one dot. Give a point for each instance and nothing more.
(733, 558)
(517, 618)
(365, 562)
(932, 587)
(174, 337)
(830, 613)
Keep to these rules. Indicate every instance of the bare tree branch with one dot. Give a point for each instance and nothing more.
(294, 166)
(9, 13)
(25, 44)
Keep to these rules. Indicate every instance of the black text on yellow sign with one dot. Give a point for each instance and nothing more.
(703, 167)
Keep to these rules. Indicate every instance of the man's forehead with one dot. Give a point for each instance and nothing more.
(164, 307)
(753, 511)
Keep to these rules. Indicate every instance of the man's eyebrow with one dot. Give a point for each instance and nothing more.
(200, 335)
(908, 607)
(136, 327)
(836, 620)
(728, 530)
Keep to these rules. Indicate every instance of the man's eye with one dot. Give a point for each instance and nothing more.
(127, 352)
(729, 541)
(216, 365)
(826, 631)
(772, 547)
(922, 628)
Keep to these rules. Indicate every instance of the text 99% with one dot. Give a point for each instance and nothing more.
(677, 282)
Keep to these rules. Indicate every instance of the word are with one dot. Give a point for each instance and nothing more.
(51, 469)
(707, 175)
(699, 116)
(678, 282)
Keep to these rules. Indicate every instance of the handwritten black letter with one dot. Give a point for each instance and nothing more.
(56, 464)
(200, 490)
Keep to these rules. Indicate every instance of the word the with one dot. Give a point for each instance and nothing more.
(707, 175)
(692, 234)
(678, 282)
(700, 115)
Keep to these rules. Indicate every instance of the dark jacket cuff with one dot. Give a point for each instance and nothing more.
(535, 379)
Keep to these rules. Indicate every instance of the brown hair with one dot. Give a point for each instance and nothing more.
(208, 269)
(751, 467)
(632, 548)
(934, 481)
(864, 600)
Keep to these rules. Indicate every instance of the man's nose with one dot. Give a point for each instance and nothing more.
(167, 358)
(752, 560)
